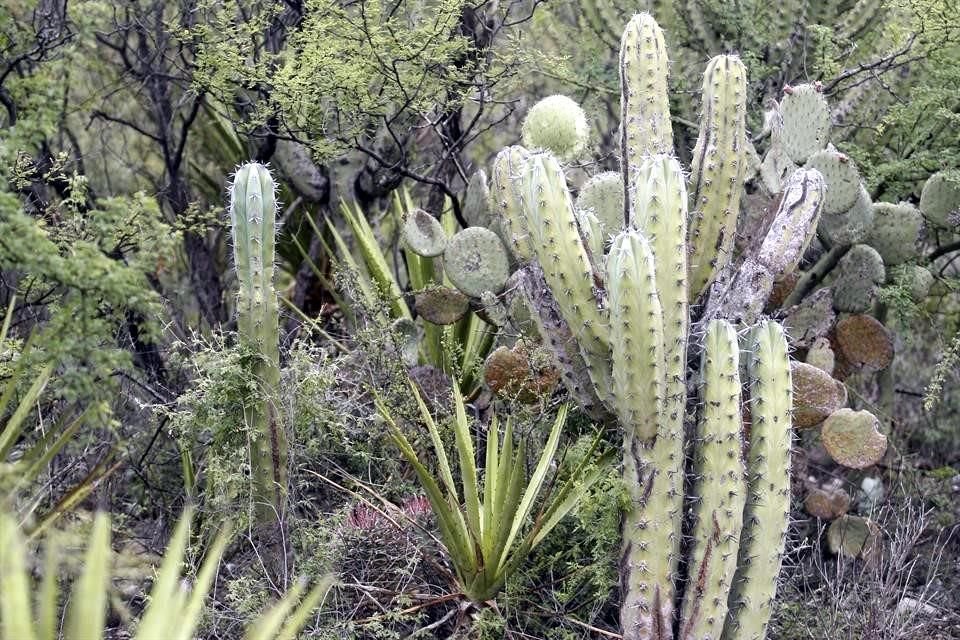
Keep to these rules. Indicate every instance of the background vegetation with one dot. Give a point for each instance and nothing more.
(121, 126)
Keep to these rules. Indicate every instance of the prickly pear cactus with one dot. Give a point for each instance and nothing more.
(805, 120)
(895, 232)
(940, 198)
(476, 261)
(841, 176)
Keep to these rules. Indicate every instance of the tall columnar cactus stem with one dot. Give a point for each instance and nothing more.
(720, 488)
(507, 199)
(659, 199)
(645, 126)
(717, 170)
(567, 268)
(253, 215)
(767, 513)
(636, 330)
(636, 337)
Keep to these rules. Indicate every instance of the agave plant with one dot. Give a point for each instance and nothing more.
(173, 613)
(490, 535)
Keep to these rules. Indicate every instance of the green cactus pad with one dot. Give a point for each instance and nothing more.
(476, 261)
(507, 201)
(895, 231)
(852, 438)
(848, 227)
(603, 194)
(864, 343)
(841, 176)
(940, 198)
(717, 171)
(915, 279)
(815, 395)
(827, 504)
(821, 356)
(476, 201)
(556, 124)
(853, 537)
(423, 234)
(441, 305)
(859, 274)
(806, 121)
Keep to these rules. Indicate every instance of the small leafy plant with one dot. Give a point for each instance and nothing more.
(173, 612)
(488, 538)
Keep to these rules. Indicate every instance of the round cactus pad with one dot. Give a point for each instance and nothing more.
(864, 342)
(815, 395)
(476, 261)
(842, 178)
(441, 305)
(806, 121)
(424, 234)
(852, 438)
(852, 536)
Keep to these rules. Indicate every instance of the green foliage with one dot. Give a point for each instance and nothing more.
(172, 612)
(481, 538)
(90, 268)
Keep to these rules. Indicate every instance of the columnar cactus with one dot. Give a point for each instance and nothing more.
(625, 310)
(253, 211)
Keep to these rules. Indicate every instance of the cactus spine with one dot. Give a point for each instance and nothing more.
(253, 211)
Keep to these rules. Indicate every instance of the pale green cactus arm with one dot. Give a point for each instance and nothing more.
(720, 488)
(567, 268)
(645, 127)
(767, 512)
(253, 219)
(507, 198)
(717, 170)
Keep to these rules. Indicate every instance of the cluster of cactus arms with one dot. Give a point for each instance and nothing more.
(615, 275)
(253, 211)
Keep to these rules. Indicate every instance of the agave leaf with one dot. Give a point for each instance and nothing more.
(536, 480)
(468, 468)
(375, 260)
(453, 529)
(299, 617)
(189, 616)
(87, 612)
(47, 610)
(163, 594)
(12, 428)
(270, 622)
(490, 474)
(15, 611)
